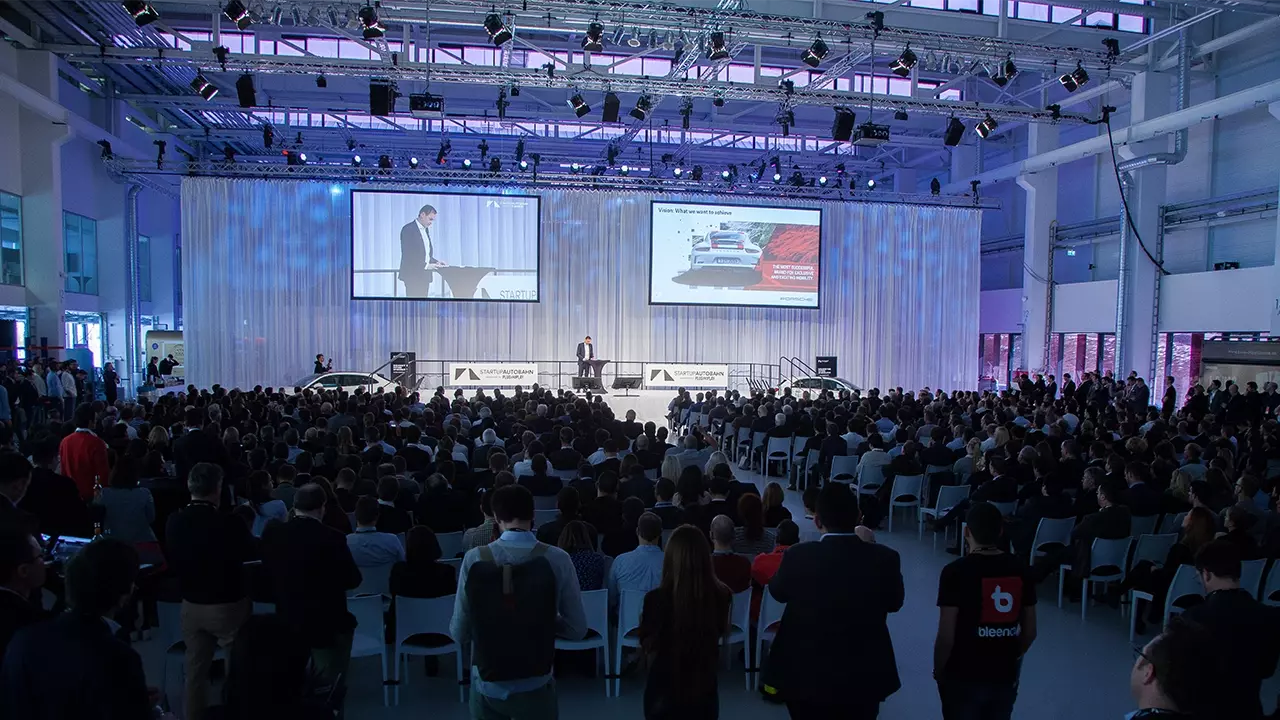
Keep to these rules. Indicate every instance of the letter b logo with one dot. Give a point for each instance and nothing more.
(1001, 600)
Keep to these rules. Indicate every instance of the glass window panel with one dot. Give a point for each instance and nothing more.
(144, 268)
(1033, 11)
(478, 56)
(1101, 19)
(992, 7)
(741, 73)
(767, 71)
(1109, 353)
(952, 94)
(661, 66)
(1133, 23)
(969, 5)
(900, 86)
(1054, 366)
(1184, 375)
(634, 66)
(352, 50)
(1090, 353)
(935, 4)
(10, 239)
(1062, 14)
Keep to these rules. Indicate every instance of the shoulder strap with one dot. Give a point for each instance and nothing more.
(539, 549)
(486, 555)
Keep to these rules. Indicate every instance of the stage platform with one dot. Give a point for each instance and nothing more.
(650, 405)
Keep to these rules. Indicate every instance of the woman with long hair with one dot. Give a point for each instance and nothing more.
(334, 517)
(346, 441)
(774, 513)
(970, 463)
(420, 574)
(681, 626)
(158, 441)
(717, 458)
(752, 537)
(578, 539)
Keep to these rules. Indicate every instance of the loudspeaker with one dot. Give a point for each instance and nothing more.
(611, 107)
(382, 99)
(955, 131)
(244, 88)
(842, 128)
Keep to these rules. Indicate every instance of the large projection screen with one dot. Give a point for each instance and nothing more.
(711, 254)
(444, 246)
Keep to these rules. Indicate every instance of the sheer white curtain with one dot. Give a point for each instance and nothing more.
(267, 285)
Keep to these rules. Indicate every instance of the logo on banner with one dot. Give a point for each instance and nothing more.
(655, 374)
(460, 371)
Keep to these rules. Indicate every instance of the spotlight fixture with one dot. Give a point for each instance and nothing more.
(797, 178)
(293, 157)
(954, 132)
(697, 172)
(466, 164)
(935, 187)
(725, 174)
(384, 162)
(642, 108)
(718, 101)
(498, 31)
(677, 171)
(986, 127)
(372, 29)
(495, 165)
(141, 12)
(520, 150)
(322, 81)
(822, 180)
(815, 53)
(1074, 79)
(355, 160)
(871, 183)
(580, 106)
(220, 53)
(634, 40)
(1113, 47)
(624, 170)
(203, 87)
(524, 164)
(902, 66)
(716, 49)
(1010, 70)
(875, 19)
(777, 177)
(442, 155)
(413, 163)
(107, 154)
(575, 167)
(237, 13)
(594, 39)
(515, 91)
(611, 153)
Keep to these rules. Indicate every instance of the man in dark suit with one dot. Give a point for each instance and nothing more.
(312, 570)
(15, 478)
(638, 486)
(565, 458)
(74, 666)
(605, 510)
(22, 574)
(196, 446)
(417, 255)
(53, 499)
(586, 352)
(664, 492)
(828, 612)
(1142, 497)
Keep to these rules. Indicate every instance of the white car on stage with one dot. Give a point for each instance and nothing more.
(815, 384)
(724, 249)
(344, 380)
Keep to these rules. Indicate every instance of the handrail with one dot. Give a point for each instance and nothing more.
(804, 366)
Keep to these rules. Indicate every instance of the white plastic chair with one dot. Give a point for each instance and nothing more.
(810, 466)
(666, 535)
(1270, 594)
(739, 629)
(422, 628)
(1152, 548)
(1185, 583)
(1006, 508)
(1106, 565)
(1052, 531)
(778, 450)
(870, 478)
(450, 544)
(797, 452)
(596, 605)
(949, 496)
(757, 446)
(844, 468)
(375, 580)
(1143, 525)
(742, 442)
(904, 486)
(1251, 575)
(370, 634)
(766, 630)
(630, 603)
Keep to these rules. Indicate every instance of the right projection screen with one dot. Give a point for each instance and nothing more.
(712, 254)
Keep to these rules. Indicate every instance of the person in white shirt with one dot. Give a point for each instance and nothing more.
(871, 465)
(417, 255)
(641, 569)
(370, 548)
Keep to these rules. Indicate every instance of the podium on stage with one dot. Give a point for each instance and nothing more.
(462, 281)
(592, 381)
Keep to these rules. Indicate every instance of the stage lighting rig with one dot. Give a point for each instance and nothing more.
(466, 163)
(954, 132)
(875, 19)
(677, 171)
(141, 12)
(1113, 48)
(986, 127)
(797, 178)
(107, 154)
(413, 163)
(815, 53)
(686, 112)
(502, 104)
(697, 173)
(520, 150)
(575, 167)
(372, 29)
(384, 162)
(1074, 79)
(203, 87)
(624, 170)
(228, 154)
(580, 106)
(483, 147)
(1055, 111)
(294, 157)
(902, 66)
(220, 54)
(871, 183)
(237, 13)
(611, 154)
(594, 39)
(322, 81)
(269, 137)
(499, 32)
(355, 161)
(718, 100)
(822, 180)
(642, 108)
(716, 49)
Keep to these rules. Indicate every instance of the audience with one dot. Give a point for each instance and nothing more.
(589, 564)
(641, 569)
(22, 574)
(732, 569)
(1177, 675)
(371, 548)
(420, 574)
(765, 565)
(752, 538)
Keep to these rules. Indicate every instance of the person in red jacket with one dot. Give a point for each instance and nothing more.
(84, 454)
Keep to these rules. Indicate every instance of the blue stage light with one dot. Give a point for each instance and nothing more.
(335, 189)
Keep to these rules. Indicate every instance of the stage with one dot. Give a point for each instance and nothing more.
(650, 405)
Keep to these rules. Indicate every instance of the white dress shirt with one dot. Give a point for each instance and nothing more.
(426, 238)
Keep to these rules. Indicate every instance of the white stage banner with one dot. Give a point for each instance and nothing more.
(668, 375)
(493, 374)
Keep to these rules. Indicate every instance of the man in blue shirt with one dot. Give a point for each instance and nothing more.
(641, 569)
(370, 548)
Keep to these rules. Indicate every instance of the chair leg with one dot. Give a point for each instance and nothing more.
(1084, 599)
(1133, 617)
(386, 689)
(617, 669)
(1062, 579)
(462, 685)
(395, 675)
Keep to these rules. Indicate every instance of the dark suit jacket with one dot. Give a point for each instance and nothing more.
(541, 485)
(1110, 523)
(444, 511)
(72, 668)
(55, 502)
(1252, 632)
(194, 447)
(1143, 500)
(605, 513)
(638, 487)
(828, 613)
(582, 351)
(413, 252)
(312, 569)
(15, 614)
(670, 514)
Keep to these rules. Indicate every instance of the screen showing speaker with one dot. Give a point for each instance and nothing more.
(704, 254)
(444, 246)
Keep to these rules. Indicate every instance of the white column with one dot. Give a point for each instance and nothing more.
(1041, 210)
(1274, 300)
(1151, 98)
(41, 158)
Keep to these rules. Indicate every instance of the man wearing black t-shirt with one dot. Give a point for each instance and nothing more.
(987, 621)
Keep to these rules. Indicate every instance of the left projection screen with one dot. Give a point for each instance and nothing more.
(444, 246)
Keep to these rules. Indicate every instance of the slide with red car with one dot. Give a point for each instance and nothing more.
(711, 254)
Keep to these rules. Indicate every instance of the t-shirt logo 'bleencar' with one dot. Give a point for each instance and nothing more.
(1001, 600)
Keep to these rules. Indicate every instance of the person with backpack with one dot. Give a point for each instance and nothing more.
(515, 597)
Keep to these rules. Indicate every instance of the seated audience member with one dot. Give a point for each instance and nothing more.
(987, 622)
(1247, 633)
(567, 506)
(731, 569)
(1142, 496)
(267, 676)
(344, 490)
(391, 519)
(369, 546)
(538, 481)
(1177, 676)
(284, 489)
(588, 563)
(664, 508)
(265, 508)
(808, 529)
(333, 516)
(420, 574)
(1197, 532)
(752, 538)
(637, 486)
(623, 539)
(1051, 502)
(604, 512)
(485, 532)
(1239, 531)
(774, 512)
(129, 510)
(682, 622)
(74, 666)
(1111, 522)
(641, 569)
(22, 574)
(441, 508)
(513, 652)
(765, 565)
(719, 488)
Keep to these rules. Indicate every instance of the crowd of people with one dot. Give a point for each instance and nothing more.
(221, 498)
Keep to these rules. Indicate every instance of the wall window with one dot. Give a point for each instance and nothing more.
(144, 268)
(996, 353)
(80, 253)
(10, 239)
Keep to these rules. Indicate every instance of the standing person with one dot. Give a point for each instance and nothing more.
(53, 381)
(22, 574)
(207, 549)
(321, 366)
(680, 629)
(417, 255)
(312, 570)
(514, 641)
(110, 383)
(828, 612)
(153, 373)
(987, 622)
(69, 391)
(586, 353)
(84, 454)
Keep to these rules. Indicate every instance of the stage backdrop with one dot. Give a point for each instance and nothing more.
(266, 285)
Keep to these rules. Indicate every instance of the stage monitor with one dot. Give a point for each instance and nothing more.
(703, 254)
(444, 246)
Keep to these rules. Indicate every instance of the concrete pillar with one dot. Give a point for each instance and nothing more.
(1151, 98)
(904, 180)
(1041, 210)
(41, 155)
(1274, 301)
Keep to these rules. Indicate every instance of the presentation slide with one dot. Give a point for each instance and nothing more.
(733, 255)
(444, 246)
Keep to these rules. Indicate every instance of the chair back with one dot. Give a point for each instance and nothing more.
(1143, 525)
(811, 460)
(1173, 523)
(1251, 575)
(1006, 508)
(1052, 531)
(375, 580)
(666, 535)
(744, 434)
(950, 496)
(870, 477)
(1186, 583)
(844, 468)
(770, 615)
(542, 517)
(936, 469)
(595, 603)
(1153, 548)
(565, 475)
(423, 616)
(1108, 554)
(544, 502)
(757, 440)
(450, 544)
(906, 489)
(740, 613)
(455, 563)
(797, 445)
(1270, 594)
(630, 603)
(779, 448)
(367, 610)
